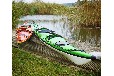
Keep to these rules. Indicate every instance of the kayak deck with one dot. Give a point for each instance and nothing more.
(58, 42)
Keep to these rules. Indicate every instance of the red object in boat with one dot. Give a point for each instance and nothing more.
(23, 33)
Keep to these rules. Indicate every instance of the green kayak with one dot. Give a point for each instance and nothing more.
(60, 44)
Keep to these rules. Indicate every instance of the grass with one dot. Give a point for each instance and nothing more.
(26, 64)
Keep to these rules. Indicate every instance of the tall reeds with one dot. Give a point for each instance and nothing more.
(87, 14)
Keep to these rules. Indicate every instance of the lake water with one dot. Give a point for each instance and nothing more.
(84, 38)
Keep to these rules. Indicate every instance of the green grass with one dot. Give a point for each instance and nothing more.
(27, 64)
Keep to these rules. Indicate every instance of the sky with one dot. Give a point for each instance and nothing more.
(53, 1)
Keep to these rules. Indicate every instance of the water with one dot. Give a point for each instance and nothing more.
(84, 38)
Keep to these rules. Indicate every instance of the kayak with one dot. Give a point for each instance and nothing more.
(23, 33)
(60, 44)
